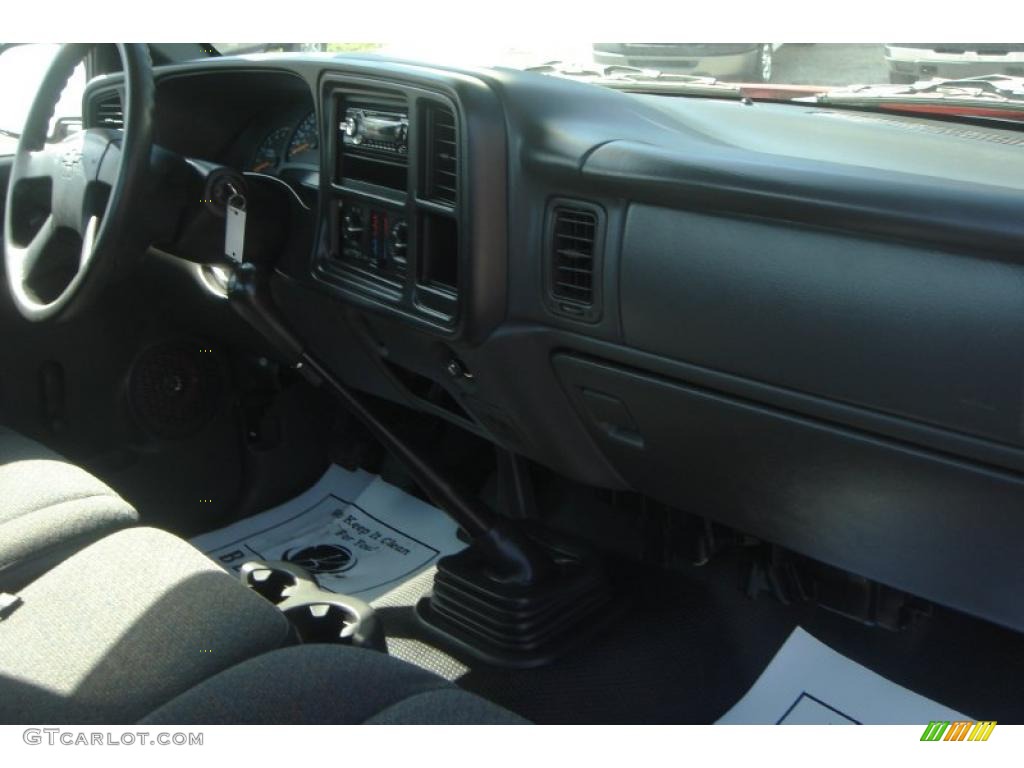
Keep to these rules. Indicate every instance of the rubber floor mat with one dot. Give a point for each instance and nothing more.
(691, 645)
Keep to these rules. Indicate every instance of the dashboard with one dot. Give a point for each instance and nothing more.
(800, 321)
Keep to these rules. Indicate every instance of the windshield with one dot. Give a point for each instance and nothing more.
(820, 64)
(22, 68)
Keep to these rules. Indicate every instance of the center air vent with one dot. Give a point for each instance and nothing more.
(575, 236)
(442, 154)
(108, 112)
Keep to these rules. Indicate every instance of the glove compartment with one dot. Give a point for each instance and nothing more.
(945, 529)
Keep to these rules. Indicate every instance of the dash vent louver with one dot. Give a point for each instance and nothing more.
(574, 239)
(108, 111)
(442, 155)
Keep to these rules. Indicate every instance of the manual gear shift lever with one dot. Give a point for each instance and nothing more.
(505, 599)
(512, 557)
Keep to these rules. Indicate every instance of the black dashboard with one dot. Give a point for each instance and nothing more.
(800, 321)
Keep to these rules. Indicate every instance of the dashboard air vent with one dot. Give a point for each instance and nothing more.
(108, 112)
(574, 239)
(442, 155)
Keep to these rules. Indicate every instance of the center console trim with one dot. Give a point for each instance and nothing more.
(456, 312)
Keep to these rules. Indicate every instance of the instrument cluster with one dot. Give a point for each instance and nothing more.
(294, 143)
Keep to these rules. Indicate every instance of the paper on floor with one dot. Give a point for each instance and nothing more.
(357, 534)
(807, 683)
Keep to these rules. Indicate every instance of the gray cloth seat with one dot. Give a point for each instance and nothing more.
(142, 626)
(49, 508)
(328, 684)
(122, 627)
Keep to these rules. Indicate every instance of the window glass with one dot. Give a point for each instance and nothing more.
(22, 68)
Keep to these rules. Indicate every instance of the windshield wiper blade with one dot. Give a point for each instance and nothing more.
(636, 79)
(1004, 86)
(988, 91)
(12, 134)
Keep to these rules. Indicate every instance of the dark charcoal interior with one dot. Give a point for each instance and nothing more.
(761, 361)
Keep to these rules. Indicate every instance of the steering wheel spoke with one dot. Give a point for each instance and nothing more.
(37, 164)
(88, 240)
(23, 261)
(110, 164)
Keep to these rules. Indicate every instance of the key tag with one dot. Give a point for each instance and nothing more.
(234, 235)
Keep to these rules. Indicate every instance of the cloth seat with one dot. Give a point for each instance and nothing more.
(123, 626)
(49, 509)
(328, 684)
(141, 626)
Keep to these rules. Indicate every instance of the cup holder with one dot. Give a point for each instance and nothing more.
(323, 622)
(276, 586)
(318, 616)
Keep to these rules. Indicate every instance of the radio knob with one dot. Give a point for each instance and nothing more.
(353, 128)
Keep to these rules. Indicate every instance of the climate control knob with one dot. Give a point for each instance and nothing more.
(400, 238)
(352, 225)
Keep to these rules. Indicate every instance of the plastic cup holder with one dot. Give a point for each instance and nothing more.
(273, 584)
(323, 622)
(317, 616)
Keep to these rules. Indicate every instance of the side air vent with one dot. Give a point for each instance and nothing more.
(442, 155)
(108, 112)
(575, 248)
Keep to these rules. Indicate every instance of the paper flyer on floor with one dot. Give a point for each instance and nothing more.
(808, 683)
(355, 533)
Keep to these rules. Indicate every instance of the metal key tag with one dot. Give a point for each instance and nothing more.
(234, 234)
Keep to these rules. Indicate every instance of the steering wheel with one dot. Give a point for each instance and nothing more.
(69, 205)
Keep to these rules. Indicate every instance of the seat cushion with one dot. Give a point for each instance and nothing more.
(123, 626)
(49, 508)
(328, 684)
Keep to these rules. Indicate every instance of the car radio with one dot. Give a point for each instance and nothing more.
(375, 131)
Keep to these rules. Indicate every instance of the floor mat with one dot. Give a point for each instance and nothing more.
(689, 646)
(356, 533)
(685, 652)
(808, 683)
(692, 644)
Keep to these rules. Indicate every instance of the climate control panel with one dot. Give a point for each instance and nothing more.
(373, 239)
